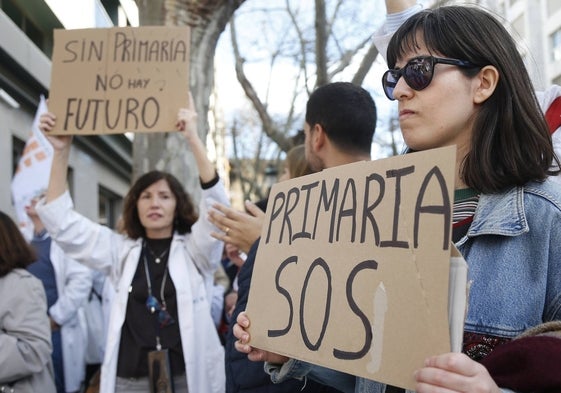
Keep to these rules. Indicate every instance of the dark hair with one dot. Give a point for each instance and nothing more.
(511, 143)
(185, 214)
(15, 252)
(296, 162)
(347, 114)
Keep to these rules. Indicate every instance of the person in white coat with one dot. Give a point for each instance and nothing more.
(162, 271)
(67, 285)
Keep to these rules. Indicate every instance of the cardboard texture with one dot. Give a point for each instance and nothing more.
(116, 80)
(353, 267)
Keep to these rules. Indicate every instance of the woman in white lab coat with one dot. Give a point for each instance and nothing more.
(161, 268)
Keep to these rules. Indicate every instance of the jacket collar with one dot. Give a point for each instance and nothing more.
(500, 214)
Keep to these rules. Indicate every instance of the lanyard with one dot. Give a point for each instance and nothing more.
(152, 302)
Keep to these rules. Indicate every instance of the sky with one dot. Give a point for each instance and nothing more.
(258, 71)
(251, 27)
(88, 13)
(233, 101)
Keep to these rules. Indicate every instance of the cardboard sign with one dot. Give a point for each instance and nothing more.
(353, 265)
(116, 80)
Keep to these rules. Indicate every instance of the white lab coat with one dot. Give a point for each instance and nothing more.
(74, 283)
(192, 261)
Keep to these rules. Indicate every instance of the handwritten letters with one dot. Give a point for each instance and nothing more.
(119, 79)
(352, 267)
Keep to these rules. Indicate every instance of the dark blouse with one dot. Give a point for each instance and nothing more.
(138, 335)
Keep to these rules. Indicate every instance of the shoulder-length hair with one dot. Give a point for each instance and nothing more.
(15, 252)
(296, 162)
(185, 214)
(511, 143)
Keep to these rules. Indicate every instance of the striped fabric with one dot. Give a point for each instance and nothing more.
(465, 203)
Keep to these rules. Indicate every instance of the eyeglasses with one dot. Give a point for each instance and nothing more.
(417, 73)
(164, 317)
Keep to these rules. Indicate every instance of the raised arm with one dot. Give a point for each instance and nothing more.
(395, 6)
(397, 12)
(59, 167)
(187, 124)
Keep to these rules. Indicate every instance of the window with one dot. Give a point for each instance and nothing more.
(109, 207)
(553, 6)
(117, 12)
(13, 12)
(34, 33)
(555, 42)
(17, 150)
(70, 182)
(112, 9)
(16, 14)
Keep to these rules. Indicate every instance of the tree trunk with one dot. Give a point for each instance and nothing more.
(321, 44)
(208, 19)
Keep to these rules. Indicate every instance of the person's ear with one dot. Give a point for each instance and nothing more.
(318, 137)
(487, 80)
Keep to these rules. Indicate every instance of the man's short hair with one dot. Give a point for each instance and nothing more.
(347, 114)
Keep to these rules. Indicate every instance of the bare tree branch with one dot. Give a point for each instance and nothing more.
(365, 65)
(305, 38)
(302, 46)
(321, 43)
(268, 125)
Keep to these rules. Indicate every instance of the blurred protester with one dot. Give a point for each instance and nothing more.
(25, 335)
(67, 285)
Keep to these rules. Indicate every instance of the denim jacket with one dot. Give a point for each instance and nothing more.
(513, 251)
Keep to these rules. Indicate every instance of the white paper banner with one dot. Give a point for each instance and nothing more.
(33, 171)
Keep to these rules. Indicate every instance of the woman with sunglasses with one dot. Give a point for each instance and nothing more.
(400, 10)
(459, 80)
(455, 88)
(161, 268)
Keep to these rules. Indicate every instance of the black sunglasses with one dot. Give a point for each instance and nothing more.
(417, 73)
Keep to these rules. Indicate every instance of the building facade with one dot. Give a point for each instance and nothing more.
(100, 166)
(536, 25)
